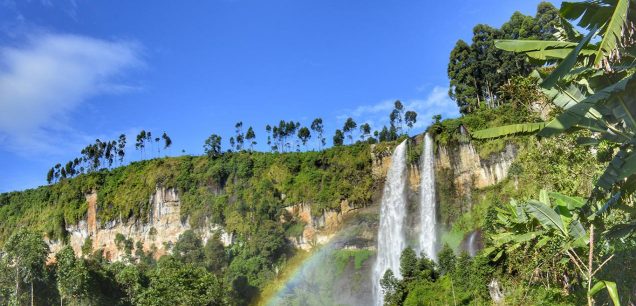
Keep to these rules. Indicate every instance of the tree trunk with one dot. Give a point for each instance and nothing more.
(32, 298)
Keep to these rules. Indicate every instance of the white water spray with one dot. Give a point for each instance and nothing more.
(428, 225)
(391, 240)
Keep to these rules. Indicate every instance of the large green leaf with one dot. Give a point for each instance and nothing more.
(546, 216)
(578, 112)
(570, 202)
(542, 50)
(612, 31)
(622, 166)
(568, 63)
(578, 234)
(508, 130)
(588, 13)
(621, 230)
(611, 290)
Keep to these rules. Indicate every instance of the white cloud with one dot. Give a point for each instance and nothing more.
(45, 79)
(377, 115)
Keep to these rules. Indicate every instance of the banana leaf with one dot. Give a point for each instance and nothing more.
(570, 202)
(621, 230)
(548, 218)
(613, 31)
(576, 113)
(508, 130)
(611, 290)
(568, 62)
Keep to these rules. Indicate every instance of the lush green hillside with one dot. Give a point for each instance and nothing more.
(234, 185)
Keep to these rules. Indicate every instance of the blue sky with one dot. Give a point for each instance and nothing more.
(72, 71)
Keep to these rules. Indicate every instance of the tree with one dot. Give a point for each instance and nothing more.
(268, 128)
(158, 146)
(72, 276)
(250, 136)
(410, 118)
(477, 71)
(141, 142)
(26, 252)
(215, 256)
(384, 134)
(338, 138)
(318, 127)
(189, 248)
(365, 131)
(447, 259)
(349, 127)
(396, 116)
(240, 138)
(408, 263)
(121, 147)
(50, 175)
(232, 143)
(392, 288)
(304, 135)
(175, 283)
(212, 146)
(149, 139)
(167, 142)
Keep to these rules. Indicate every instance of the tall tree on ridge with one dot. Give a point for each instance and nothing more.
(121, 147)
(212, 146)
(250, 136)
(304, 135)
(318, 127)
(349, 127)
(410, 118)
(268, 129)
(49, 175)
(338, 138)
(149, 139)
(396, 116)
(141, 142)
(240, 138)
(167, 142)
(157, 139)
(365, 131)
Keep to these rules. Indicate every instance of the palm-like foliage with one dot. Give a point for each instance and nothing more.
(593, 83)
(555, 219)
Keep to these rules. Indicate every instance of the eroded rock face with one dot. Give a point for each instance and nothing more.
(470, 171)
(162, 230)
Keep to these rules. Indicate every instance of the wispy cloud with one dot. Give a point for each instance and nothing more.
(377, 115)
(46, 78)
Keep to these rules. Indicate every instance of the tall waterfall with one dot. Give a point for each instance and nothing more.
(428, 235)
(391, 239)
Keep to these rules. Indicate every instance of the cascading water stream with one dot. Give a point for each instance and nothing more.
(428, 223)
(391, 239)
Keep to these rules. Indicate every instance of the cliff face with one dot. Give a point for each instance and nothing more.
(470, 170)
(159, 234)
(460, 170)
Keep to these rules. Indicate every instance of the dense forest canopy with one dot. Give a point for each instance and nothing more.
(478, 70)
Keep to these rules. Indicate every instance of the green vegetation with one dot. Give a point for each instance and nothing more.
(568, 247)
(479, 72)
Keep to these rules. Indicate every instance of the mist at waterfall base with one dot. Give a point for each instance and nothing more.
(328, 278)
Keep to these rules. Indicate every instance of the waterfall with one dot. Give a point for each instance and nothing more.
(391, 239)
(428, 234)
